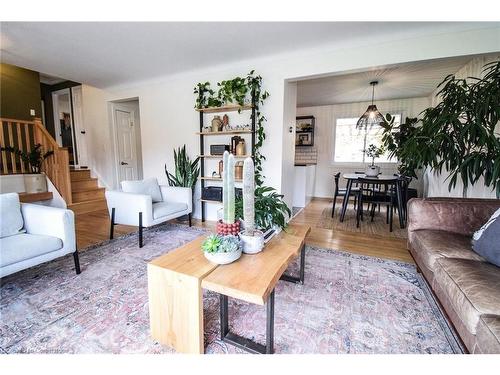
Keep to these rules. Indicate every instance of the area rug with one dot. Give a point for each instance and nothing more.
(348, 304)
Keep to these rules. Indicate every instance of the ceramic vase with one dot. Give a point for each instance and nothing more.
(35, 183)
(252, 243)
(372, 171)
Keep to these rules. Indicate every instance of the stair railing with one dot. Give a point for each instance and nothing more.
(24, 135)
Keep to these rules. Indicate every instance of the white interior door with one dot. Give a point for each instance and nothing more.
(125, 142)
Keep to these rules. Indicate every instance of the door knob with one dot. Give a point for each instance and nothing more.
(123, 163)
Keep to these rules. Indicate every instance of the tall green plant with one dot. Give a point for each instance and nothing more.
(270, 208)
(402, 141)
(458, 135)
(34, 158)
(186, 171)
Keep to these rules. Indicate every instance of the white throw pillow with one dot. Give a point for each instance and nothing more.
(11, 219)
(148, 186)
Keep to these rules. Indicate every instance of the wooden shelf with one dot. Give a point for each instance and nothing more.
(227, 108)
(226, 132)
(220, 156)
(35, 197)
(217, 179)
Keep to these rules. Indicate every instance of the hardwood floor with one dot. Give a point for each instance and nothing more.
(381, 245)
(93, 228)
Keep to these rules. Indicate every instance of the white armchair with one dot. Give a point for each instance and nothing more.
(136, 206)
(32, 234)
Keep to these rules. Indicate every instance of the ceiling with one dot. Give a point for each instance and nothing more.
(409, 80)
(107, 54)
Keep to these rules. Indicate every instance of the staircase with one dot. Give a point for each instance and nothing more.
(87, 196)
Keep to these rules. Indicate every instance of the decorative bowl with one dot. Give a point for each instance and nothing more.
(223, 258)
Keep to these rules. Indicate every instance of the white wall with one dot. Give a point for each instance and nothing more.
(324, 138)
(168, 119)
(288, 151)
(437, 184)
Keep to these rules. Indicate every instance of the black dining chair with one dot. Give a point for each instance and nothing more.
(341, 192)
(404, 183)
(380, 197)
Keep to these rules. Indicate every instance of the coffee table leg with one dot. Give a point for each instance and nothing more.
(242, 342)
(270, 324)
(295, 279)
(224, 321)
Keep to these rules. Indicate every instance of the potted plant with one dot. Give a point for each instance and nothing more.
(373, 152)
(36, 182)
(457, 135)
(251, 238)
(271, 211)
(228, 225)
(397, 141)
(186, 171)
(221, 249)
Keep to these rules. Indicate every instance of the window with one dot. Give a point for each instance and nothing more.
(350, 142)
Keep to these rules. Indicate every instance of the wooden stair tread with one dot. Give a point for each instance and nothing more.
(88, 206)
(98, 188)
(78, 186)
(89, 201)
(86, 195)
(80, 175)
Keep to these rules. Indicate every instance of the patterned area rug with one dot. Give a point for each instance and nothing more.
(349, 304)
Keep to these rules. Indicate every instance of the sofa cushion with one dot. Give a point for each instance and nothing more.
(488, 335)
(11, 222)
(472, 288)
(486, 241)
(163, 209)
(148, 186)
(17, 248)
(435, 244)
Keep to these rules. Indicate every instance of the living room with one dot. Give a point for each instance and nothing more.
(277, 196)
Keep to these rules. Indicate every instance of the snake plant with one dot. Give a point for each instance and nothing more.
(186, 171)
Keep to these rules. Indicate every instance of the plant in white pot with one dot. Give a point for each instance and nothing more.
(221, 249)
(35, 182)
(251, 238)
(373, 152)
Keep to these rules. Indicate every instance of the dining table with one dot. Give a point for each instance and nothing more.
(383, 179)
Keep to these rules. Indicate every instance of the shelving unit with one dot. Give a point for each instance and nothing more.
(202, 134)
(220, 156)
(218, 179)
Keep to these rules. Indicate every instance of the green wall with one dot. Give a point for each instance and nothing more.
(19, 92)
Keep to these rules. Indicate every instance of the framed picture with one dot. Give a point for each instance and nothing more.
(304, 131)
(303, 139)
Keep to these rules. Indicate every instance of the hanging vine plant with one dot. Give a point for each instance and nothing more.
(241, 91)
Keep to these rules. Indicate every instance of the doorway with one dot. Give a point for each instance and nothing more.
(68, 122)
(126, 127)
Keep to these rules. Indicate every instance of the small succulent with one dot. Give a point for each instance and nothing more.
(211, 244)
(229, 244)
(221, 244)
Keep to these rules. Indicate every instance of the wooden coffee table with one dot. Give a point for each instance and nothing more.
(176, 279)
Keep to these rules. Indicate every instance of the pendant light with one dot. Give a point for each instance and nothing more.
(372, 116)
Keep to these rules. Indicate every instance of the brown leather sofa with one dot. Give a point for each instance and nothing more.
(467, 286)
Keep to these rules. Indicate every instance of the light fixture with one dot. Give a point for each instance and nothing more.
(372, 116)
